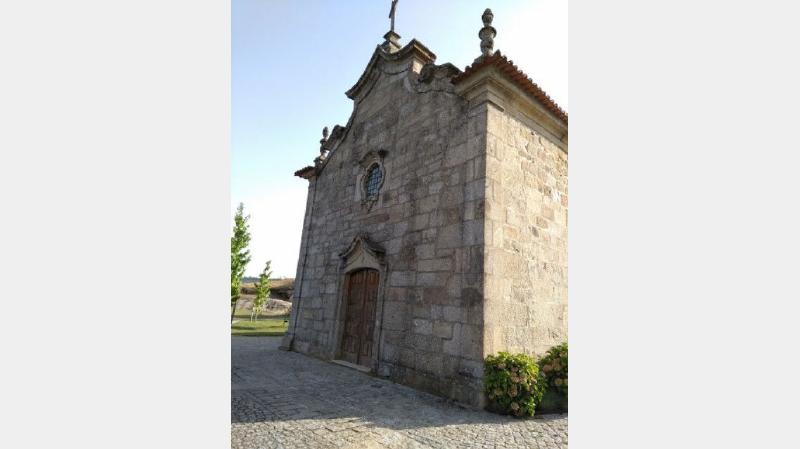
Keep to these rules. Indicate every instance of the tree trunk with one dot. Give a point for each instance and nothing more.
(233, 310)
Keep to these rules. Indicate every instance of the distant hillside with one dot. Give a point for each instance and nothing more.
(252, 279)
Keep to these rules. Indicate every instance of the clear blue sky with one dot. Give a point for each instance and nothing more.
(292, 61)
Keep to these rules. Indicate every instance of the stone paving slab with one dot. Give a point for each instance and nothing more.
(285, 400)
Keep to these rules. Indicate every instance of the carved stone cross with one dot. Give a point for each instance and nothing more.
(391, 13)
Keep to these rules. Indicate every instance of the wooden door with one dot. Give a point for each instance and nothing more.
(361, 294)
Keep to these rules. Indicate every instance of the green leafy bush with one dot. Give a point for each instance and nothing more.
(554, 367)
(513, 384)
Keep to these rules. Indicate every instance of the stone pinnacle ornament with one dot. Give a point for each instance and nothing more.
(487, 33)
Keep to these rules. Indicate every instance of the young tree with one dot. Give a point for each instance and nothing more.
(240, 255)
(262, 292)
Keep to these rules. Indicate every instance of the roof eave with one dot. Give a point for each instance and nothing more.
(516, 76)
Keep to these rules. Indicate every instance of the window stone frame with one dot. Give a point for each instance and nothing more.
(366, 163)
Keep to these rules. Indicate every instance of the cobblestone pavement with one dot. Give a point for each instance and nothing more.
(283, 400)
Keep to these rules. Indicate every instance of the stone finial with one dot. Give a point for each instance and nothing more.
(323, 140)
(391, 43)
(487, 33)
(322, 149)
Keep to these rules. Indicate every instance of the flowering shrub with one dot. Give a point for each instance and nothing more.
(554, 367)
(513, 384)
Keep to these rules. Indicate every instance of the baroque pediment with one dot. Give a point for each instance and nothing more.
(413, 59)
(380, 58)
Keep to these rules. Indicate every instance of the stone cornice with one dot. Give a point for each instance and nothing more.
(490, 83)
(500, 65)
(306, 172)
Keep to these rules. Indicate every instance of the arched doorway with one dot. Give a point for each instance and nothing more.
(360, 299)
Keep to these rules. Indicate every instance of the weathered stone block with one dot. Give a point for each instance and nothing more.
(394, 315)
(421, 342)
(435, 279)
(407, 358)
(435, 187)
(402, 278)
(433, 295)
(449, 237)
(443, 329)
(471, 368)
(427, 204)
(473, 232)
(426, 251)
(422, 326)
(420, 222)
(422, 311)
(429, 363)
(452, 346)
(443, 264)
(454, 314)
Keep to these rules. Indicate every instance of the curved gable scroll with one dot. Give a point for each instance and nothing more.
(366, 81)
(362, 253)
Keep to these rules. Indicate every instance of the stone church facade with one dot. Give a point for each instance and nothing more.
(435, 230)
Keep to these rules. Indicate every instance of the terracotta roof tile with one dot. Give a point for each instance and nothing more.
(507, 67)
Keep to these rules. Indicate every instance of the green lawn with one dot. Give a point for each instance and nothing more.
(245, 313)
(264, 327)
(242, 313)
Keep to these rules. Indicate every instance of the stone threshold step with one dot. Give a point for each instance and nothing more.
(363, 369)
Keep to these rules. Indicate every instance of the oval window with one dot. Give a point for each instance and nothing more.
(373, 181)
